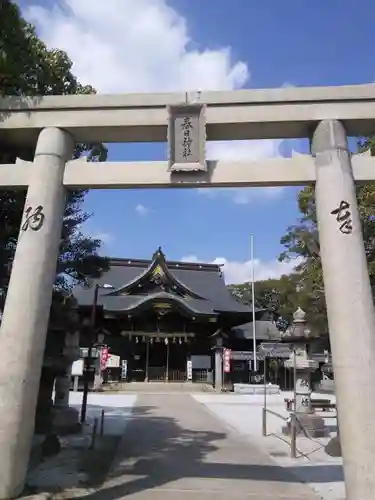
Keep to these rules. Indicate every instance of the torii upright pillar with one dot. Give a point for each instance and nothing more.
(350, 307)
(26, 313)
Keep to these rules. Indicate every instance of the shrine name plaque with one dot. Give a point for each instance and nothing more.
(187, 138)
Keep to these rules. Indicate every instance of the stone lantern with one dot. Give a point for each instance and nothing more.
(301, 338)
(62, 349)
(66, 418)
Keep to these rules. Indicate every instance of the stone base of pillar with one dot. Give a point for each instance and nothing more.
(43, 418)
(66, 421)
(44, 408)
(98, 382)
(310, 422)
(333, 447)
(51, 446)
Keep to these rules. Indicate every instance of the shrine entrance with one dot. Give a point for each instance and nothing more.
(54, 124)
(157, 358)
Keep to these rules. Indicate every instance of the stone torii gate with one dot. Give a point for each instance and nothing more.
(54, 124)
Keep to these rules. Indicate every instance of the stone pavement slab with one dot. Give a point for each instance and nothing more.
(173, 448)
(322, 473)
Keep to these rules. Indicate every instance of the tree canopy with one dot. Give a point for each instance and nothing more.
(277, 295)
(304, 287)
(29, 68)
(302, 241)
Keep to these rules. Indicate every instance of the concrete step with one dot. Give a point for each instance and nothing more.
(153, 387)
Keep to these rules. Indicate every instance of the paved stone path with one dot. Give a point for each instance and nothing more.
(174, 448)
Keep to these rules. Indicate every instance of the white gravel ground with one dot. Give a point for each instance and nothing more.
(313, 466)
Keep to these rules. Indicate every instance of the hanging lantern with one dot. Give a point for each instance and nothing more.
(174, 340)
(136, 340)
(180, 340)
(151, 340)
(166, 340)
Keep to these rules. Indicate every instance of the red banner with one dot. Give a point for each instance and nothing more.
(104, 358)
(227, 355)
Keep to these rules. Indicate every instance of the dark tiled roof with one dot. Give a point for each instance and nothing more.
(129, 303)
(264, 330)
(205, 280)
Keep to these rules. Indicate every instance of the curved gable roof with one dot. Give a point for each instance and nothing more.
(204, 283)
(158, 260)
(132, 303)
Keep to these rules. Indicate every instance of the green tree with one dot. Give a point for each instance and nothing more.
(29, 68)
(302, 242)
(283, 290)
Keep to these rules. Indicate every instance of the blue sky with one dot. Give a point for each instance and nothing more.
(279, 42)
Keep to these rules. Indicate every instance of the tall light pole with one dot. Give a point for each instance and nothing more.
(87, 371)
(255, 362)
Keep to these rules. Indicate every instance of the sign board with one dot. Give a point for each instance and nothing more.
(189, 370)
(113, 361)
(77, 368)
(274, 350)
(227, 354)
(242, 355)
(124, 369)
(187, 138)
(84, 352)
(200, 362)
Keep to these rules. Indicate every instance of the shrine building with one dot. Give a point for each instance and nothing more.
(158, 314)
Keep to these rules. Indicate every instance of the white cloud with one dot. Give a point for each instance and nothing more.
(134, 46)
(141, 210)
(145, 46)
(240, 272)
(240, 151)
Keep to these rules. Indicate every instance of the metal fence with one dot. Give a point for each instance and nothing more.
(296, 428)
(292, 422)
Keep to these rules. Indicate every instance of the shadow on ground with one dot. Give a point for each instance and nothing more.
(174, 452)
(96, 462)
(77, 464)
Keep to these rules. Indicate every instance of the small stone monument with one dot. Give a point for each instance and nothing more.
(301, 337)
